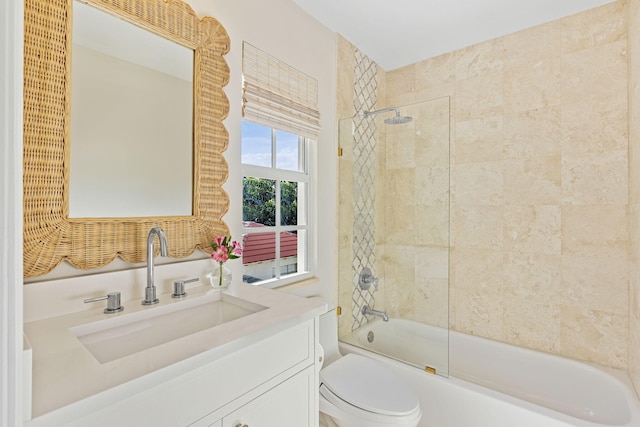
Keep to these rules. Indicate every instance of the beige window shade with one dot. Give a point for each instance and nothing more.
(277, 95)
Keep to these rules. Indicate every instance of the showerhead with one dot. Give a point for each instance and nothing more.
(397, 120)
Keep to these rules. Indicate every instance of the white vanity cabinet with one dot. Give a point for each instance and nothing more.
(271, 380)
(286, 405)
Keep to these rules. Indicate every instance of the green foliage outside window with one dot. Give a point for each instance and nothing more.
(259, 201)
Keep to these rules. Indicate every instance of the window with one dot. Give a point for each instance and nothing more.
(281, 117)
(275, 197)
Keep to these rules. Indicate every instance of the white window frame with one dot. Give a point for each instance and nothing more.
(306, 256)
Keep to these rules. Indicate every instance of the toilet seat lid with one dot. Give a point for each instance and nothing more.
(369, 385)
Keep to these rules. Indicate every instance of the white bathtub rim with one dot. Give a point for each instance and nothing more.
(615, 377)
(551, 414)
(618, 376)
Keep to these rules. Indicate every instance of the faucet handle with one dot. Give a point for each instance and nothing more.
(113, 302)
(178, 287)
(366, 279)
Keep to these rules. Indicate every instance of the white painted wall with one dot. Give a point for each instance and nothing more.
(279, 28)
(11, 36)
(283, 30)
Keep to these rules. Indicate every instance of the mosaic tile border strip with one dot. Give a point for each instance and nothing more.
(364, 188)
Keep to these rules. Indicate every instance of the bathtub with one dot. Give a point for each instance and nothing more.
(494, 384)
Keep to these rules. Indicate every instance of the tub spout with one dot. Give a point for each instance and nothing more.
(370, 311)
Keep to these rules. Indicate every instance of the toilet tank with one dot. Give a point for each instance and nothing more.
(329, 336)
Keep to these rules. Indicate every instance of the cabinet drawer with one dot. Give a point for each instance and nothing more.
(286, 405)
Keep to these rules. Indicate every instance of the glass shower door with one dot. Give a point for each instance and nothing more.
(394, 202)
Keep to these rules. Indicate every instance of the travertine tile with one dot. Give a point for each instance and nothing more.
(478, 97)
(402, 80)
(595, 178)
(453, 314)
(428, 94)
(344, 83)
(594, 73)
(595, 336)
(432, 186)
(381, 92)
(432, 133)
(532, 86)
(532, 324)
(634, 290)
(479, 314)
(431, 302)
(601, 25)
(479, 184)
(432, 225)
(479, 140)
(534, 228)
(600, 284)
(435, 72)
(432, 148)
(634, 353)
(533, 181)
(479, 59)
(532, 133)
(634, 171)
(595, 231)
(399, 267)
(432, 263)
(478, 270)
(400, 146)
(538, 119)
(533, 276)
(528, 45)
(596, 125)
(426, 302)
(479, 227)
(399, 222)
(401, 186)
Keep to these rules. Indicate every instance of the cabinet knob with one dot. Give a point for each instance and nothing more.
(242, 425)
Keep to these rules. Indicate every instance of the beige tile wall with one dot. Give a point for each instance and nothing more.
(345, 110)
(412, 206)
(416, 213)
(634, 189)
(540, 183)
(540, 167)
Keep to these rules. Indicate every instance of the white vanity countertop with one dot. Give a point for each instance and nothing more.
(65, 372)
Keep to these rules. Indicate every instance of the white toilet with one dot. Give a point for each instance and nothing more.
(357, 391)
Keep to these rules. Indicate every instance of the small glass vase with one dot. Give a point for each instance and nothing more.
(220, 277)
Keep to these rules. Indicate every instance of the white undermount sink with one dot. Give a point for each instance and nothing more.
(111, 339)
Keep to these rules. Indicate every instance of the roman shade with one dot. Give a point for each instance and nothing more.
(278, 95)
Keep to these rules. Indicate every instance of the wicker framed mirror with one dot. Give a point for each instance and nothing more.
(50, 236)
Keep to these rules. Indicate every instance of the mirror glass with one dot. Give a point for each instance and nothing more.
(131, 142)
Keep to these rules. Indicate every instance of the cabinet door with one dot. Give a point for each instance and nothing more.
(289, 404)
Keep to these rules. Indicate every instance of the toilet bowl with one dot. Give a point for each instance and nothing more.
(357, 391)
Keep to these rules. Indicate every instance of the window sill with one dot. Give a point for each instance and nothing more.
(290, 283)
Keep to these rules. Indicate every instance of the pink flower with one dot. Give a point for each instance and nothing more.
(224, 249)
(237, 248)
(220, 254)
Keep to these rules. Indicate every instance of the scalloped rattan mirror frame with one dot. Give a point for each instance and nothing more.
(50, 236)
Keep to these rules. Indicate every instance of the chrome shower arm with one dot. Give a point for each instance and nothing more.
(383, 110)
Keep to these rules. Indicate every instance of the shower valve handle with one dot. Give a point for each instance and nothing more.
(366, 279)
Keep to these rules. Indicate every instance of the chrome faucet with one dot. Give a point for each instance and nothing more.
(370, 311)
(150, 290)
